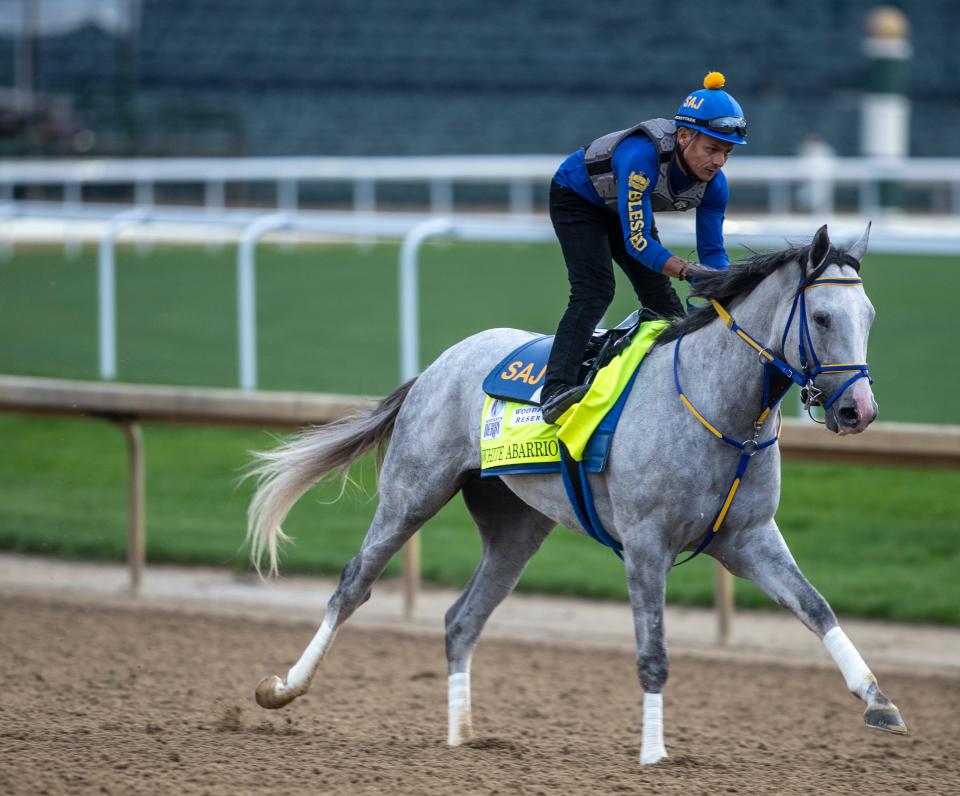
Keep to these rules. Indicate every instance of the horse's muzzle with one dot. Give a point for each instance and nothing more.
(853, 411)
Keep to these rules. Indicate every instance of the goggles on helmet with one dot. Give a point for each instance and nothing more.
(725, 125)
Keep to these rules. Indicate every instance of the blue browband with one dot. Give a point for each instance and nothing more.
(772, 393)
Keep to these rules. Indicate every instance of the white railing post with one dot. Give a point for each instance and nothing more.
(409, 291)
(288, 194)
(441, 197)
(365, 204)
(521, 197)
(779, 197)
(7, 210)
(107, 289)
(247, 294)
(72, 199)
(214, 202)
(143, 198)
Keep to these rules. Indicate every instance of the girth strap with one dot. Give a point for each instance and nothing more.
(574, 476)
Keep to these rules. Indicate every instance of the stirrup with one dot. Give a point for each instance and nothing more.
(553, 408)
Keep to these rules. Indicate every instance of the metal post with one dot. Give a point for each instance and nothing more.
(247, 294)
(107, 290)
(7, 210)
(72, 198)
(779, 197)
(214, 200)
(143, 198)
(869, 197)
(441, 197)
(818, 158)
(136, 500)
(411, 575)
(410, 366)
(723, 600)
(365, 203)
(521, 197)
(409, 292)
(288, 199)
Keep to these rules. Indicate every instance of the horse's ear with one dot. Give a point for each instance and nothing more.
(819, 249)
(859, 249)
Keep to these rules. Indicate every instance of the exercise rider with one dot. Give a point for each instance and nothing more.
(602, 201)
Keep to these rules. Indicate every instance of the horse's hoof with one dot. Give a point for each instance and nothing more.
(886, 718)
(272, 693)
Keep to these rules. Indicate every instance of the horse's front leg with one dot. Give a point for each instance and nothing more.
(647, 565)
(761, 555)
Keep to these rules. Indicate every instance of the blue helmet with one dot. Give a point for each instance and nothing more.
(714, 112)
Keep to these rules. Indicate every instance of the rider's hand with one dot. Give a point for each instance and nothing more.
(677, 267)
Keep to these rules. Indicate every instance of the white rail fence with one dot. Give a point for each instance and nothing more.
(128, 405)
(888, 235)
(819, 175)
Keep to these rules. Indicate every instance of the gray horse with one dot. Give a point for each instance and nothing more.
(666, 476)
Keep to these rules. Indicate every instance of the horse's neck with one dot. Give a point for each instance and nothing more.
(721, 373)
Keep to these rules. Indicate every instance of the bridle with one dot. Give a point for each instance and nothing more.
(774, 388)
(812, 367)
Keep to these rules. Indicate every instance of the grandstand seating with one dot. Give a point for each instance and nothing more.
(452, 76)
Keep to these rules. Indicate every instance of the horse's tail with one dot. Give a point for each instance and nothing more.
(286, 473)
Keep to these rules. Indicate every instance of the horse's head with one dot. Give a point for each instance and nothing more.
(825, 328)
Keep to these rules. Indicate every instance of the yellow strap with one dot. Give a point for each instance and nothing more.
(832, 280)
(727, 318)
(754, 344)
(699, 417)
(726, 505)
(724, 315)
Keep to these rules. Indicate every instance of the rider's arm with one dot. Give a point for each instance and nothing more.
(710, 215)
(635, 163)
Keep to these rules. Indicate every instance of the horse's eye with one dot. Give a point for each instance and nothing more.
(821, 319)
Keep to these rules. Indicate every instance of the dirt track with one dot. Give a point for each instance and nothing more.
(109, 700)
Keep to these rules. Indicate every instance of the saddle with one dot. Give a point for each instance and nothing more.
(519, 376)
(514, 439)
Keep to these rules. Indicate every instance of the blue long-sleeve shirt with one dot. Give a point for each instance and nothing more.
(637, 156)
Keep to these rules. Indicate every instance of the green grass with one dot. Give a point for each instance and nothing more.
(876, 542)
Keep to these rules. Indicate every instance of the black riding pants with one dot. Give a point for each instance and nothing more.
(589, 237)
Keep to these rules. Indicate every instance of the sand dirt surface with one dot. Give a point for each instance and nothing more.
(101, 699)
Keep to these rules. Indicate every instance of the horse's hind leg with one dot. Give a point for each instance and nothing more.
(511, 532)
(408, 498)
(763, 557)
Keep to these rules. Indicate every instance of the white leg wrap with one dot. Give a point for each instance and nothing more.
(459, 723)
(652, 749)
(853, 668)
(301, 673)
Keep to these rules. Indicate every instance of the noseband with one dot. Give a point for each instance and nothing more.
(772, 392)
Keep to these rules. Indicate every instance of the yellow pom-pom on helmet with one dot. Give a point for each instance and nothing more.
(714, 80)
(713, 111)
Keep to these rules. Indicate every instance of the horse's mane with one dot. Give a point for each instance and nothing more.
(737, 280)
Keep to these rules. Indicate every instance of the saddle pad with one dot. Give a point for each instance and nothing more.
(514, 439)
(519, 375)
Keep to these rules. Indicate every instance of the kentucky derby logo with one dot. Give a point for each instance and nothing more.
(493, 422)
